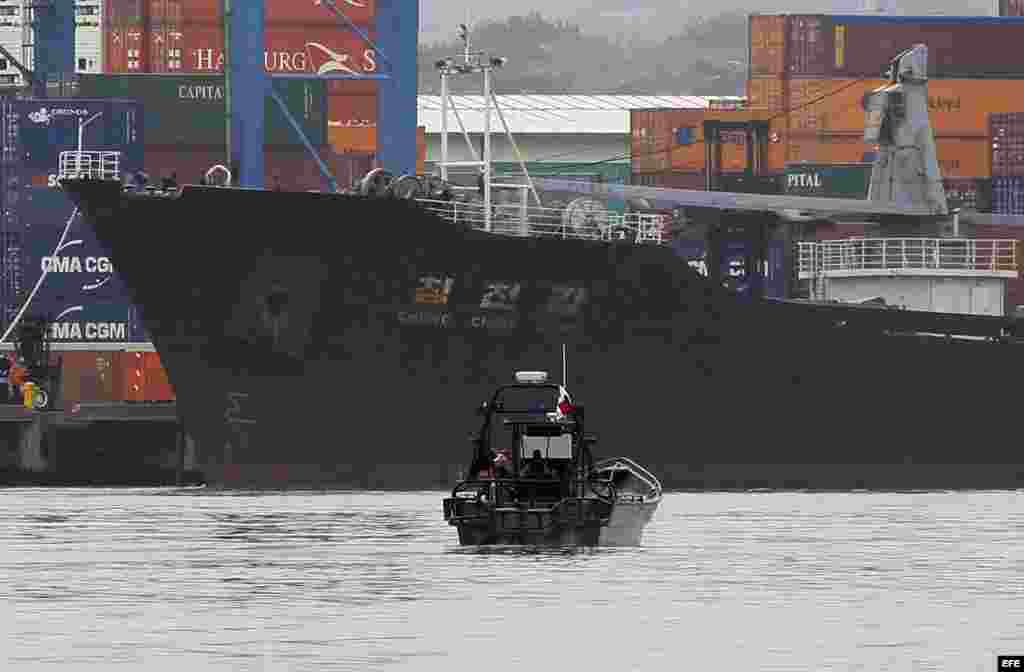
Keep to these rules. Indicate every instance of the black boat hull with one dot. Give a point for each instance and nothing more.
(289, 326)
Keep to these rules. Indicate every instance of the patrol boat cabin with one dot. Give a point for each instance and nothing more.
(533, 479)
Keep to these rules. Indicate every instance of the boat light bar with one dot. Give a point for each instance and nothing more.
(531, 377)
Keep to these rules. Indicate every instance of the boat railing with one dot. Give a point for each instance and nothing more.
(90, 165)
(640, 472)
(517, 491)
(534, 221)
(875, 256)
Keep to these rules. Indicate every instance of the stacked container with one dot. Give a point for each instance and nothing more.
(1006, 135)
(77, 287)
(187, 37)
(814, 70)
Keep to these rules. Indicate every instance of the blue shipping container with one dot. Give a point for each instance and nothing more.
(96, 323)
(36, 131)
(80, 269)
(734, 265)
(1008, 195)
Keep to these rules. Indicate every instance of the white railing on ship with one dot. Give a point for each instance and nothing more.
(90, 165)
(880, 255)
(517, 220)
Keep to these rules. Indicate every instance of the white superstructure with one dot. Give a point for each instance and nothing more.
(88, 38)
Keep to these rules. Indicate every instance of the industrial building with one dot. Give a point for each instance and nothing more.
(555, 134)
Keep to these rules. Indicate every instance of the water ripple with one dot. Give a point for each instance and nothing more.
(189, 578)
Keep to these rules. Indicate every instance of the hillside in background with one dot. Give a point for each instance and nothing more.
(705, 57)
(654, 20)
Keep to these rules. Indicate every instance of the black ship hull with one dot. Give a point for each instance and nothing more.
(320, 340)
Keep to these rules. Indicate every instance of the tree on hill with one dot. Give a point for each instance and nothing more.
(544, 56)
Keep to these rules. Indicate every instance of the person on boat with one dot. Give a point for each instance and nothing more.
(5, 371)
(503, 463)
(536, 467)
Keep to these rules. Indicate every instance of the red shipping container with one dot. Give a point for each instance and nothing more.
(311, 49)
(90, 376)
(767, 45)
(974, 47)
(810, 45)
(157, 386)
(133, 378)
(276, 12)
(125, 49)
(347, 111)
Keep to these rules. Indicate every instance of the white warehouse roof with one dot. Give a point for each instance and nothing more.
(556, 114)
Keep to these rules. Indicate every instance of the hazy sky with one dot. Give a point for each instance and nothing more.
(652, 18)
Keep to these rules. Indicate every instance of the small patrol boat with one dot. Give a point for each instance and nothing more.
(533, 479)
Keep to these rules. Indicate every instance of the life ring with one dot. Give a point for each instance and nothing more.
(406, 187)
(375, 183)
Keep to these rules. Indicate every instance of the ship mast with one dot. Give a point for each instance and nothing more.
(477, 62)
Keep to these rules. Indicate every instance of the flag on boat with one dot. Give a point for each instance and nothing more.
(564, 404)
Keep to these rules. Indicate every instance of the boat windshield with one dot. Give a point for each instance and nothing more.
(540, 399)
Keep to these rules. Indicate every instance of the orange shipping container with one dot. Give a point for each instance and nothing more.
(767, 45)
(90, 376)
(958, 157)
(956, 106)
(691, 157)
(768, 93)
(653, 137)
(354, 139)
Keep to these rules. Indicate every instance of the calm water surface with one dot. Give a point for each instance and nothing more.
(192, 580)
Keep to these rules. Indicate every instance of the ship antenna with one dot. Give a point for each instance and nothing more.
(565, 379)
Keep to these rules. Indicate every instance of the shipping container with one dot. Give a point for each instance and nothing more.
(351, 111)
(1006, 135)
(809, 45)
(42, 129)
(79, 271)
(88, 376)
(190, 109)
(734, 264)
(828, 180)
(289, 49)
(957, 156)
(353, 139)
(656, 133)
(768, 93)
(85, 322)
(1011, 7)
(956, 106)
(767, 54)
(863, 45)
(1008, 195)
(969, 193)
(157, 385)
(670, 180)
(121, 12)
(742, 183)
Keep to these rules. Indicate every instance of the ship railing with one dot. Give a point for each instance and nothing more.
(533, 221)
(910, 256)
(90, 165)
